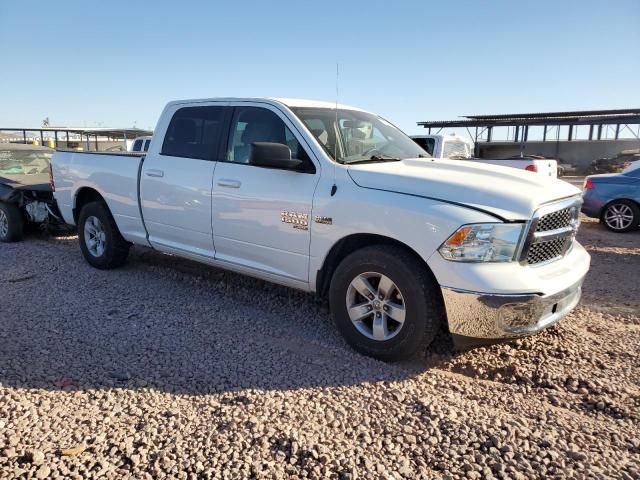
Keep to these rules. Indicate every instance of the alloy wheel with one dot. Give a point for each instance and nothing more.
(618, 216)
(375, 306)
(94, 236)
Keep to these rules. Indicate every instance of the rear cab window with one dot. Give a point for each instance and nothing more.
(427, 144)
(195, 132)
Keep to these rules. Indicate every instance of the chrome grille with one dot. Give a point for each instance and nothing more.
(545, 251)
(555, 220)
(551, 232)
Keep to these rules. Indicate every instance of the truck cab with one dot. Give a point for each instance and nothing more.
(140, 144)
(446, 146)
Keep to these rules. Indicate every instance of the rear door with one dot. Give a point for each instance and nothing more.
(176, 180)
(262, 216)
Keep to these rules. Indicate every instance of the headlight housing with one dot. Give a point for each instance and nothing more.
(483, 242)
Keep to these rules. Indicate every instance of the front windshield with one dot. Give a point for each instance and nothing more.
(352, 136)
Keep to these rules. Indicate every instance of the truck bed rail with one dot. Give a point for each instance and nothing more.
(120, 154)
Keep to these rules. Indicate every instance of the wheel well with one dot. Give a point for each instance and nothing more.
(85, 195)
(348, 245)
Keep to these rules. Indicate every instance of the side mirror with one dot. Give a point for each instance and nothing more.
(272, 155)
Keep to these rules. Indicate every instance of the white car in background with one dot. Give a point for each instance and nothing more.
(457, 147)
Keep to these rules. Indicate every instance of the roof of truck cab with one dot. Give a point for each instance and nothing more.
(289, 102)
(451, 136)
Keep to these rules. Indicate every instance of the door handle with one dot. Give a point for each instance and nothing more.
(225, 182)
(154, 173)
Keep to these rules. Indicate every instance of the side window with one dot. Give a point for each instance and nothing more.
(253, 124)
(137, 145)
(194, 132)
(426, 143)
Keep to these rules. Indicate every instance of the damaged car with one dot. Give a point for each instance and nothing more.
(26, 191)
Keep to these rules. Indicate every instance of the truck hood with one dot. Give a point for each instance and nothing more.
(508, 193)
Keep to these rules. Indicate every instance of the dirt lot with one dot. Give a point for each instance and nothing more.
(166, 368)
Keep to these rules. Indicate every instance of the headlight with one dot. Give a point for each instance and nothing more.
(483, 242)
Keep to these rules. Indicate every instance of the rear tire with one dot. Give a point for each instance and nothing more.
(399, 288)
(621, 216)
(100, 241)
(11, 223)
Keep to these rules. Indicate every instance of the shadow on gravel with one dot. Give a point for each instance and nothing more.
(168, 324)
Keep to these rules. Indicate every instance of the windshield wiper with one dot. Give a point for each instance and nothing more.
(372, 158)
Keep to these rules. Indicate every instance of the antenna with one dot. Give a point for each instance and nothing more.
(334, 188)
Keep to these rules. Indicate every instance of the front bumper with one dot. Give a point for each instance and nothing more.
(475, 315)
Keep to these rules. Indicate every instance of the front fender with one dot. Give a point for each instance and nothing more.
(420, 224)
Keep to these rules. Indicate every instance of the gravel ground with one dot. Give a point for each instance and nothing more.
(166, 368)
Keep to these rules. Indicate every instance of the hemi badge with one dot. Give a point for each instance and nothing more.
(324, 220)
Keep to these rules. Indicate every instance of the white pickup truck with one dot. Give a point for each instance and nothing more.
(337, 201)
(456, 147)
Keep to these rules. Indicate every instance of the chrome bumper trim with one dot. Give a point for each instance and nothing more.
(495, 316)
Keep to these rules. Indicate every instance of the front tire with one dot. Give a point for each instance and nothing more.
(385, 303)
(100, 241)
(11, 223)
(621, 216)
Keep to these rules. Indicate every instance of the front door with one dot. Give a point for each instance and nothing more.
(262, 216)
(176, 179)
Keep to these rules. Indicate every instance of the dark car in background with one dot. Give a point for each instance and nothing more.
(26, 192)
(615, 164)
(614, 198)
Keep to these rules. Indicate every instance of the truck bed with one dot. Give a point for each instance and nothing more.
(115, 176)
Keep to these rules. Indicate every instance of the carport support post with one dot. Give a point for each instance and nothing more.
(599, 132)
(590, 132)
(24, 137)
(570, 133)
(517, 134)
(55, 136)
(41, 138)
(124, 140)
(617, 131)
(96, 142)
(544, 134)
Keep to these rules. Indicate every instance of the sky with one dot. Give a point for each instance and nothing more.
(117, 63)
